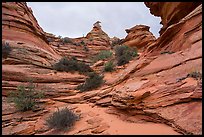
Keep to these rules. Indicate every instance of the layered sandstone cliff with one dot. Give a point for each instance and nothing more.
(26, 37)
(156, 87)
(31, 55)
(171, 12)
(83, 48)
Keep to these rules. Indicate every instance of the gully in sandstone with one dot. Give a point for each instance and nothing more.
(100, 85)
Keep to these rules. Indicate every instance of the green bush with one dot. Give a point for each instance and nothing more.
(70, 65)
(124, 54)
(86, 48)
(115, 42)
(93, 81)
(6, 49)
(82, 42)
(67, 40)
(102, 55)
(109, 66)
(195, 74)
(25, 98)
(62, 119)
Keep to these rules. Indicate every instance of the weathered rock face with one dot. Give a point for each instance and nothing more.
(26, 37)
(157, 84)
(97, 40)
(181, 35)
(35, 51)
(171, 12)
(31, 55)
(83, 48)
(154, 87)
(140, 37)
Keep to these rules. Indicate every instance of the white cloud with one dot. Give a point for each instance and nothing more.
(73, 19)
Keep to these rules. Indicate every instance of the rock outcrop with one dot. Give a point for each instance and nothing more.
(97, 40)
(83, 48)
(163, 85)
(171, 12)
(26, 37)
(31, 56)
(34, 52)
(139, 37)
(157, 84)
(182, 34)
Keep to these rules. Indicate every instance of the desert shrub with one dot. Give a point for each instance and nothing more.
(70, 65)
(115, 42)
(76, 44)
(195, 74)
(50, 40)
(93, 81)
(109, 66)
(6, 49)
(102, 55)
(62, 119)
(82, 42)
(90, 39)
(86, 48)
(124, 54)
(25, 98)
(67, 40)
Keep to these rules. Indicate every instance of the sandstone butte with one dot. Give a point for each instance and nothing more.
(149, 95)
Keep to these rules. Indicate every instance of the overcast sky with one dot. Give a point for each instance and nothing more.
(75, 19)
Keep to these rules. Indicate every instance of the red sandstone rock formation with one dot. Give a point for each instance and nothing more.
(152, 88)
(26, 37)
(97, 40)
(83, 48)
(32, 56)
(156, 84)
(140, 37)
(182, 34)
(171, 12)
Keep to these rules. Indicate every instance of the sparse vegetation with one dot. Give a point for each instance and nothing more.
(25, 98)
(115, 42)
(109, 66)
(93, 81)
(195, 74)
(70, 65)
(102, 55)
(6, 49)
(82, 42)
(124, 54)
(49, 39)
(86, 48)
(91, 39)
(76, 44)
(62, 119)
(67, 40)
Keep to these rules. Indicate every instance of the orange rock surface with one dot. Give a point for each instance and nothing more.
(152, 94)
(171, 12)
(139, 37)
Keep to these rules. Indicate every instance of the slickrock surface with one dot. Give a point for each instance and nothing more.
(152, 94)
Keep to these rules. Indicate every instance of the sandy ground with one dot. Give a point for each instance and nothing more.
(117, 126)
